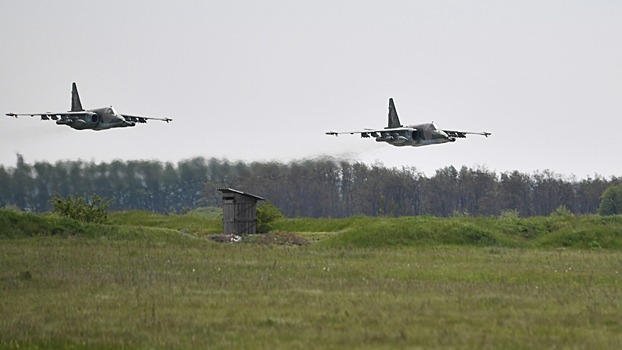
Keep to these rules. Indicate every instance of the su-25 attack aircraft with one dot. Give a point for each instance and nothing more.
(93, 119)
(411, 135)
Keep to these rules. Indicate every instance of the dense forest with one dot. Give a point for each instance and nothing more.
(306, 188)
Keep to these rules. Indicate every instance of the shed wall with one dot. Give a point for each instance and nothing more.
(239, 216)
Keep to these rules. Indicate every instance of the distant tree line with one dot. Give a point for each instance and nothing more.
(306, 188)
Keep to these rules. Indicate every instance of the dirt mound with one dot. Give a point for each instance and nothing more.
(226, 238)
(280, 238)
(283, 238)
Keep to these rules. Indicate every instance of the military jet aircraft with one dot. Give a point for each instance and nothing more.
(411, 135)
(93, 119)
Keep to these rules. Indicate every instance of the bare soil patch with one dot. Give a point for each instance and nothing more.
(279, 238)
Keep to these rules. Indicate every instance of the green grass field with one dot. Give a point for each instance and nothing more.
(155, 282)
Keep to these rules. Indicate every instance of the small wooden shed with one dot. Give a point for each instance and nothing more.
(239, 211)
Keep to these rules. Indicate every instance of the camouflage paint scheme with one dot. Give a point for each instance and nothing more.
(92, 119)
(411, 135)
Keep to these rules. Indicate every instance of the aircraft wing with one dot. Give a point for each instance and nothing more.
(368, 132)
(53, 115)
(463, 134)
(139, 119)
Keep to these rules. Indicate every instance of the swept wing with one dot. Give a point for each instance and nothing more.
(55, 115)
(367, 132)
(140, 119)
(463, 134)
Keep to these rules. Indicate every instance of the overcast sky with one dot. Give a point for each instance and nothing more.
(264, 80)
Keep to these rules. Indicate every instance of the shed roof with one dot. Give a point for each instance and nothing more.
(231, 190)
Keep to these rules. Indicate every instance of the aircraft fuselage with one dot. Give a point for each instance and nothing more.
(420, 135)
(95, 119)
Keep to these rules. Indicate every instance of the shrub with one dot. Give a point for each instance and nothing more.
(562, 211)
(81, 209)
(611, 201)
(509, 214)
(267, 214)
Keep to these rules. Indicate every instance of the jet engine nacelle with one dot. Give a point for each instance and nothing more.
(94, 119)
(89, 121)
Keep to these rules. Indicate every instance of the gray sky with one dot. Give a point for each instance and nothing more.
(263, 80)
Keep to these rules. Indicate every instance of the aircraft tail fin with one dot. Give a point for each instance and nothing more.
(76, 105)
(394, 120)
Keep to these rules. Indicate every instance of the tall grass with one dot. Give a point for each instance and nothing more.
(420, 282)
(198, 223)
(584, 232)
(15, 224)
(94, 293)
